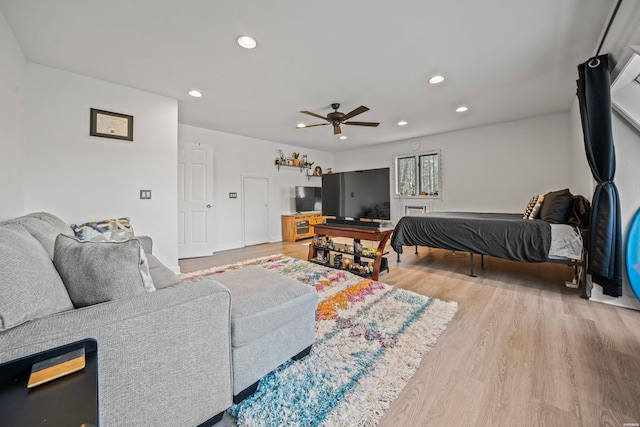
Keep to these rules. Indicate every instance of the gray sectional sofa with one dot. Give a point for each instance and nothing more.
(164, 357)
(170, 353)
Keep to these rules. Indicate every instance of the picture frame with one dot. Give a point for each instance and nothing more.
(107, 124)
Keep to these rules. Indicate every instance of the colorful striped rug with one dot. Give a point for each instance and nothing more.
(370, 339)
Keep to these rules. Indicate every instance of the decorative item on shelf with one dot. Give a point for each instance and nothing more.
(337, 261)
(368, 252)
(317, 171)
(320, 255)
(346, 263)
(357, 248)
(296, 158)
(329, 171)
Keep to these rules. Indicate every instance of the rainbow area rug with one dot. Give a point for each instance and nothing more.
(370, 340)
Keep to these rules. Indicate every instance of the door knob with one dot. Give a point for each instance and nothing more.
(209, 205)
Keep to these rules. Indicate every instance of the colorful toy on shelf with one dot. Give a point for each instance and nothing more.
(369, 252)
(337, 261)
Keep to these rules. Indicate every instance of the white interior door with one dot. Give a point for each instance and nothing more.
(195, 200)
(255, 210)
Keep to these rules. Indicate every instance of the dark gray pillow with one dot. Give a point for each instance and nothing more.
(96, 272)
(30, 287)
(557, 206)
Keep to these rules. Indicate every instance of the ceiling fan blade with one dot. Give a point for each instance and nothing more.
(337, 130)
(310, 126)
(372, 124)
(314, 115)
(361, 109)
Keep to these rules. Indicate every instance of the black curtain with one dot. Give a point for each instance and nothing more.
(605, 243)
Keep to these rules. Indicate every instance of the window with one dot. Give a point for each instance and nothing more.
(625, 91)
(417, 174)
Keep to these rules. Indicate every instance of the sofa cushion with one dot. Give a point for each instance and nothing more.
(115, 230)
(96, 272)
(61, 226)
(30, 287)
(43, 231)
(162, 276)
(262, 301)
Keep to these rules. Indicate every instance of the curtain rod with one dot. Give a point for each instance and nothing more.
(594, 60)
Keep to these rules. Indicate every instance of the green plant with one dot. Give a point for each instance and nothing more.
(295, 155)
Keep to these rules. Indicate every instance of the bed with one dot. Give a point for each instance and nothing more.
(501, 235)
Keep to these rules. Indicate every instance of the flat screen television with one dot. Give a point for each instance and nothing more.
(361, 194)
(308, 199)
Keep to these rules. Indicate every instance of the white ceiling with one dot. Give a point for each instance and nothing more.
(505, 59)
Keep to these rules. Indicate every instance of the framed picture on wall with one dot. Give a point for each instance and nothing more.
(107, 124)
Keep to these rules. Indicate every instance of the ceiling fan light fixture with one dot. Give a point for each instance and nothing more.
(436, 79)
(301, 125)
(402, 123)
(195, 93)
(343, 137)
(462, 109)
(247, 42)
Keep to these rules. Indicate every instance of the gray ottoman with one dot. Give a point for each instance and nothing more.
(272, 320)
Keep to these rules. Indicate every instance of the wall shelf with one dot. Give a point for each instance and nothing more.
(302, 167)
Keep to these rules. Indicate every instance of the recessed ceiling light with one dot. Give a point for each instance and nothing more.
(402, 123)
(195, 93)
(462, 109)
(301, 125)
(343, 137)
(247, 42)
(436, 79)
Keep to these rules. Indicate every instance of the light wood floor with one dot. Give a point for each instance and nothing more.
(522, 349)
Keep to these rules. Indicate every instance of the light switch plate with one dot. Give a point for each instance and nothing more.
(145, 194)
(233, 195)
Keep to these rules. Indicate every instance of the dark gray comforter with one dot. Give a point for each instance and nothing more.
(496, 234)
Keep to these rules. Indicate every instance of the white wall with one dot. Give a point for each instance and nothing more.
(12, 68)
(496, 168)
(236, 157)
(82, 178)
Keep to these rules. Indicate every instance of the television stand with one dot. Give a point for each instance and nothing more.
(357, 234)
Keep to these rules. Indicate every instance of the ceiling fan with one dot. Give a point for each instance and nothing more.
(336, 118)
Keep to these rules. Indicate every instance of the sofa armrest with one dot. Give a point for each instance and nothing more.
(164, 358)
(146, 242)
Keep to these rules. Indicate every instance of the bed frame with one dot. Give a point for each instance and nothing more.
(580, 266)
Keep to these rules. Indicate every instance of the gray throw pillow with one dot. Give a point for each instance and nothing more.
(30, 287)
(96, 272)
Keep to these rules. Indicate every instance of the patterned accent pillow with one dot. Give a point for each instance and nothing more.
(532, 211)
(114, 230)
